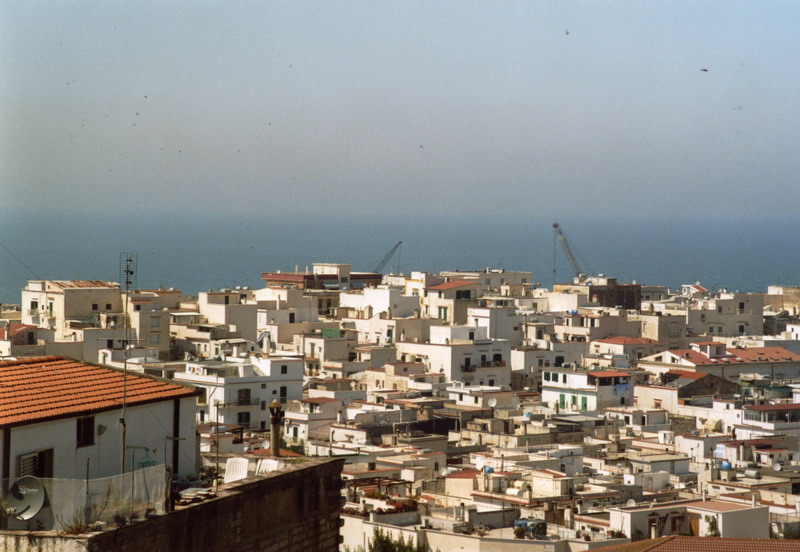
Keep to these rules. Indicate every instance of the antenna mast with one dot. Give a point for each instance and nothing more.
(127, 277)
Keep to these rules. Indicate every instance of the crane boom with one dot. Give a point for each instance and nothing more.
(567, 247)
(382, 263)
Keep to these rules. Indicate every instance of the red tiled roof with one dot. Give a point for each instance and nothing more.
(764, 354)
(687, 374)
(36, 389)
(608, 374)
(768, 407)
(464, 474)
(739, 356)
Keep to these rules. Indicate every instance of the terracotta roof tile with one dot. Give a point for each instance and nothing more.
(41, 388)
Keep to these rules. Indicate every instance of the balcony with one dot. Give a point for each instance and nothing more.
(246, 402)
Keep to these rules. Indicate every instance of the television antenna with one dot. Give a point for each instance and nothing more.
(127, 277)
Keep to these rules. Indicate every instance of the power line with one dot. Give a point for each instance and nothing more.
(7, 250)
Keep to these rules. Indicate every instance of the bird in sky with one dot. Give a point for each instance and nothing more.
(704, 70)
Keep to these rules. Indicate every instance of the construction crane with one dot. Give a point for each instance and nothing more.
(386, 258)
(569, 251)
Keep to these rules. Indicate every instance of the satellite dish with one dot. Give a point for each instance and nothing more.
(492, 402)
(631, 503)
(443, 472)
(26, 497)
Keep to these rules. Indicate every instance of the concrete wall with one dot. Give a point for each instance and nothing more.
(296, 508)
(753, 523)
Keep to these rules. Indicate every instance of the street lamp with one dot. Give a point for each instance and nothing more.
(275, 427)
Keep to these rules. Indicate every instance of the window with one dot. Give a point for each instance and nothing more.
(34, 305)
(243, 419)
(108, 306)
(546, 375)
(155, 322)
(564, 378)
(94, 306)
(85, 432)
(656, 403)
(263, 405)
(243, 397)
(282, 394)
(442, 313)
(284, 369)
(38, 464)
(137, 307)
(155, 339)
(471, 336)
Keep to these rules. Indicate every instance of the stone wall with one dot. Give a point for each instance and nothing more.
(296, 508)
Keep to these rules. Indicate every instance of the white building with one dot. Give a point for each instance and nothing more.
(239, 390)
(62, 417)
(586, 390)
(478, 361)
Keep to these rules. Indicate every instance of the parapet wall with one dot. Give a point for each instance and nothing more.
(296, 508)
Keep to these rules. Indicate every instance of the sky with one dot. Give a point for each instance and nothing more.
(623, 108)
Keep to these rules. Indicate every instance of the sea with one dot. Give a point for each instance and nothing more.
(198, 252)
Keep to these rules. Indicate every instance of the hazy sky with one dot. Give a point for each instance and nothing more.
(669, 108)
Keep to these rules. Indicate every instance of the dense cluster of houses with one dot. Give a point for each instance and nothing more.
(476, 410)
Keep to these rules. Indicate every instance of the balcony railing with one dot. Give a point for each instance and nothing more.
(246, 402)
(487, 364)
